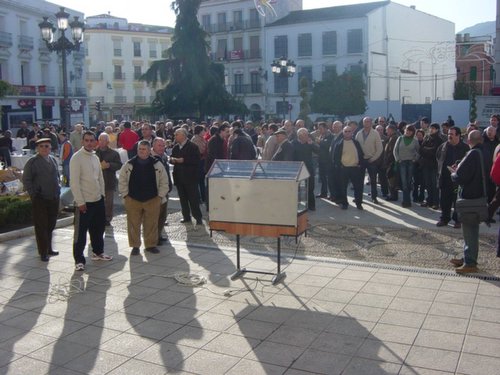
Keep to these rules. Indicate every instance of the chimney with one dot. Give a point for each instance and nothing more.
(459, 38)
(413, 7)
(466, 37)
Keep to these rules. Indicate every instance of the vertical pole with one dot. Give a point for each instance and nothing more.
(238, 252)
(279, 255)
(66, 114)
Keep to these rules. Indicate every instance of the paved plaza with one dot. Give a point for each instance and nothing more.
(366, 292)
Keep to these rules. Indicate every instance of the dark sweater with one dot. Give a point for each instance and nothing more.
(142, 183)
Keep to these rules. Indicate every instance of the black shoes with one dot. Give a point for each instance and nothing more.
(184, 221)
(375, 200)
(135, 251)
(152, 250)
(53, 253)
(359, 206)
(44, 258)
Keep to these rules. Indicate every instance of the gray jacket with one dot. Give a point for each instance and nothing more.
(41, 177)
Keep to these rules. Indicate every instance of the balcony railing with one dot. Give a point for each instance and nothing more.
(5, 39)
(118, 76)
(235, 55)
(233, 26)
(139, 99)
(47, 90)
(94, 99)
(120, 99)
(246, 89)
(95, 76)
(26, 42)
(117, 52)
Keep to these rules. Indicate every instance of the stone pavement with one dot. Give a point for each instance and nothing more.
(366, 292)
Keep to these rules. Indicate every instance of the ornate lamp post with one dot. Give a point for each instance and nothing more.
(64, 46)
(283, 68)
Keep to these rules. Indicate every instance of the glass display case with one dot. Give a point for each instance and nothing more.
(257, 191)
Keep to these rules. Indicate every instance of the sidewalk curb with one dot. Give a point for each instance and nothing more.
(30, 231)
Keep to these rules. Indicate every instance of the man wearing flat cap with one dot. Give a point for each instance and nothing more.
(41, 181)
(285, 148)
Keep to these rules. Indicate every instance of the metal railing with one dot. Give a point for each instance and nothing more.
(246, 89)
(26, 42)
(95, 76)
(5, 39)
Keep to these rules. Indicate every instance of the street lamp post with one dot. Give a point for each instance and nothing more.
(283, 68)
(64, 46)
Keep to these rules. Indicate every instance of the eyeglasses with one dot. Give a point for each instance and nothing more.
(44, 146)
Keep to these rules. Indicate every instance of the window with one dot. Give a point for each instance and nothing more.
(282, 108)
(254, 18)
(25, 73)
(45, 73)
(255, 83)
(1, 69)
(280, 84)
(221, 53)
(280, 46)
(117, 48)
(306, 72)
(238, 83)
(137, 72)
(221, 21)
(254, 47)
(137, 49)
(238, 19)
(164, 48)
(152, 50)
(330, 43)
(238, 44)
(206, 22)
(354, 41)
(305, 44)
(118, 72)
(473, 73)
(328, 70)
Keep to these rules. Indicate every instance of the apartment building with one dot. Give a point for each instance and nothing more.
(35, 71)
(117, 54)
(405, 55)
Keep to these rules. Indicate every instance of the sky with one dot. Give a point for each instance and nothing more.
(158, 12)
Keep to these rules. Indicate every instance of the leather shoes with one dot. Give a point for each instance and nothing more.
(183, 221)
(44, 258)
(152, 250)
(457, 225)
(375, 200)
(199, 222)
(321, 196)
(457, 262)
(467, 269)
(359, 206)
(53, 253)
(135, 251)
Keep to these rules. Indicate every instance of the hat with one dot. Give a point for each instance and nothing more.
(43, 140)
(280, 131)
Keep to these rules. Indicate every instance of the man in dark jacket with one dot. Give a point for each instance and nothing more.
(303, 149)
(389, 163)
(110, 163)
(285, 148)
(41, 181)
(347, 158)
(325, 140)
(186, 159)
(158, 153)
(448, 154)
(428, 162)
(242, 147)
(468, 174)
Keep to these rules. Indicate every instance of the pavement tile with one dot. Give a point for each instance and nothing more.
(202, 360)
(371, 300)
(346, 284)
(119, 321)
(436, 359)
(355, 274)
(385, 278)
(145, 309)
(294, 335)
(486, 313)
(248, 367)
(367, 313)
(96, 362)
(234, 345)
(457, 298)
(134, 366)
(166, 354)
(488, 288)
(484, 329)
(317, 320)
(91, 336)
(179, 315)
(191, 336)
(385, 351)
(451, 310)
(474, 364)
(25, 365)
(60, 352)
(212, 321)
(335, 295)
(392, 333)
(380, 289)
(337, 343)
(311, 280)
(415, 292)
(445, 324)
(321, 362)
(411, 305)
(154, 329)
(413, 370)
(359, 366)
(7, 356)
(127, 344)
(402, 318)
(253, 328)
(440, 340)
(482, 346)
(458, 286)
(350, 326)
(275, 353)
(491, 301)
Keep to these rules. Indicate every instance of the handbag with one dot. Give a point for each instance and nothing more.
(471, 211)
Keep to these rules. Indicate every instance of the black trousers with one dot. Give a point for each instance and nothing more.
(93, 222)
(323, 178)
(44, 218)
(372, 173)
(355, 175)
(448, 199)
(190, 202)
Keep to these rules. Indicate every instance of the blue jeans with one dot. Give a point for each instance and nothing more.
(471, 243)
(406, 173)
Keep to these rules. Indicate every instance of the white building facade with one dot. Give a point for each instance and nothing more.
(406, 56)
(118, 53)
(36, 72)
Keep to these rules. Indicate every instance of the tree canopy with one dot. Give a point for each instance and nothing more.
(193, 85)
(339, 95)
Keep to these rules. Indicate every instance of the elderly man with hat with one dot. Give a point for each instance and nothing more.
(285, 147)
(41, 181)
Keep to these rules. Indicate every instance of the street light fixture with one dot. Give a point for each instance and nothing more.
(284, 68)
(64, 46)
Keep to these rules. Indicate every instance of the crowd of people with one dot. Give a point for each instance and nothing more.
(422, 160)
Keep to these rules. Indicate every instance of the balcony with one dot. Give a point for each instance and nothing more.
(139, 99)
(94, 99)
(5, 39)
(95, 76)
(253, 24)
(236, 55)
(25, 90)
(120, 99)
(80, 91)
(233, 26)
(47, 90)
(26, 43)
(117, 52)
(246, 89)
(119, 76)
